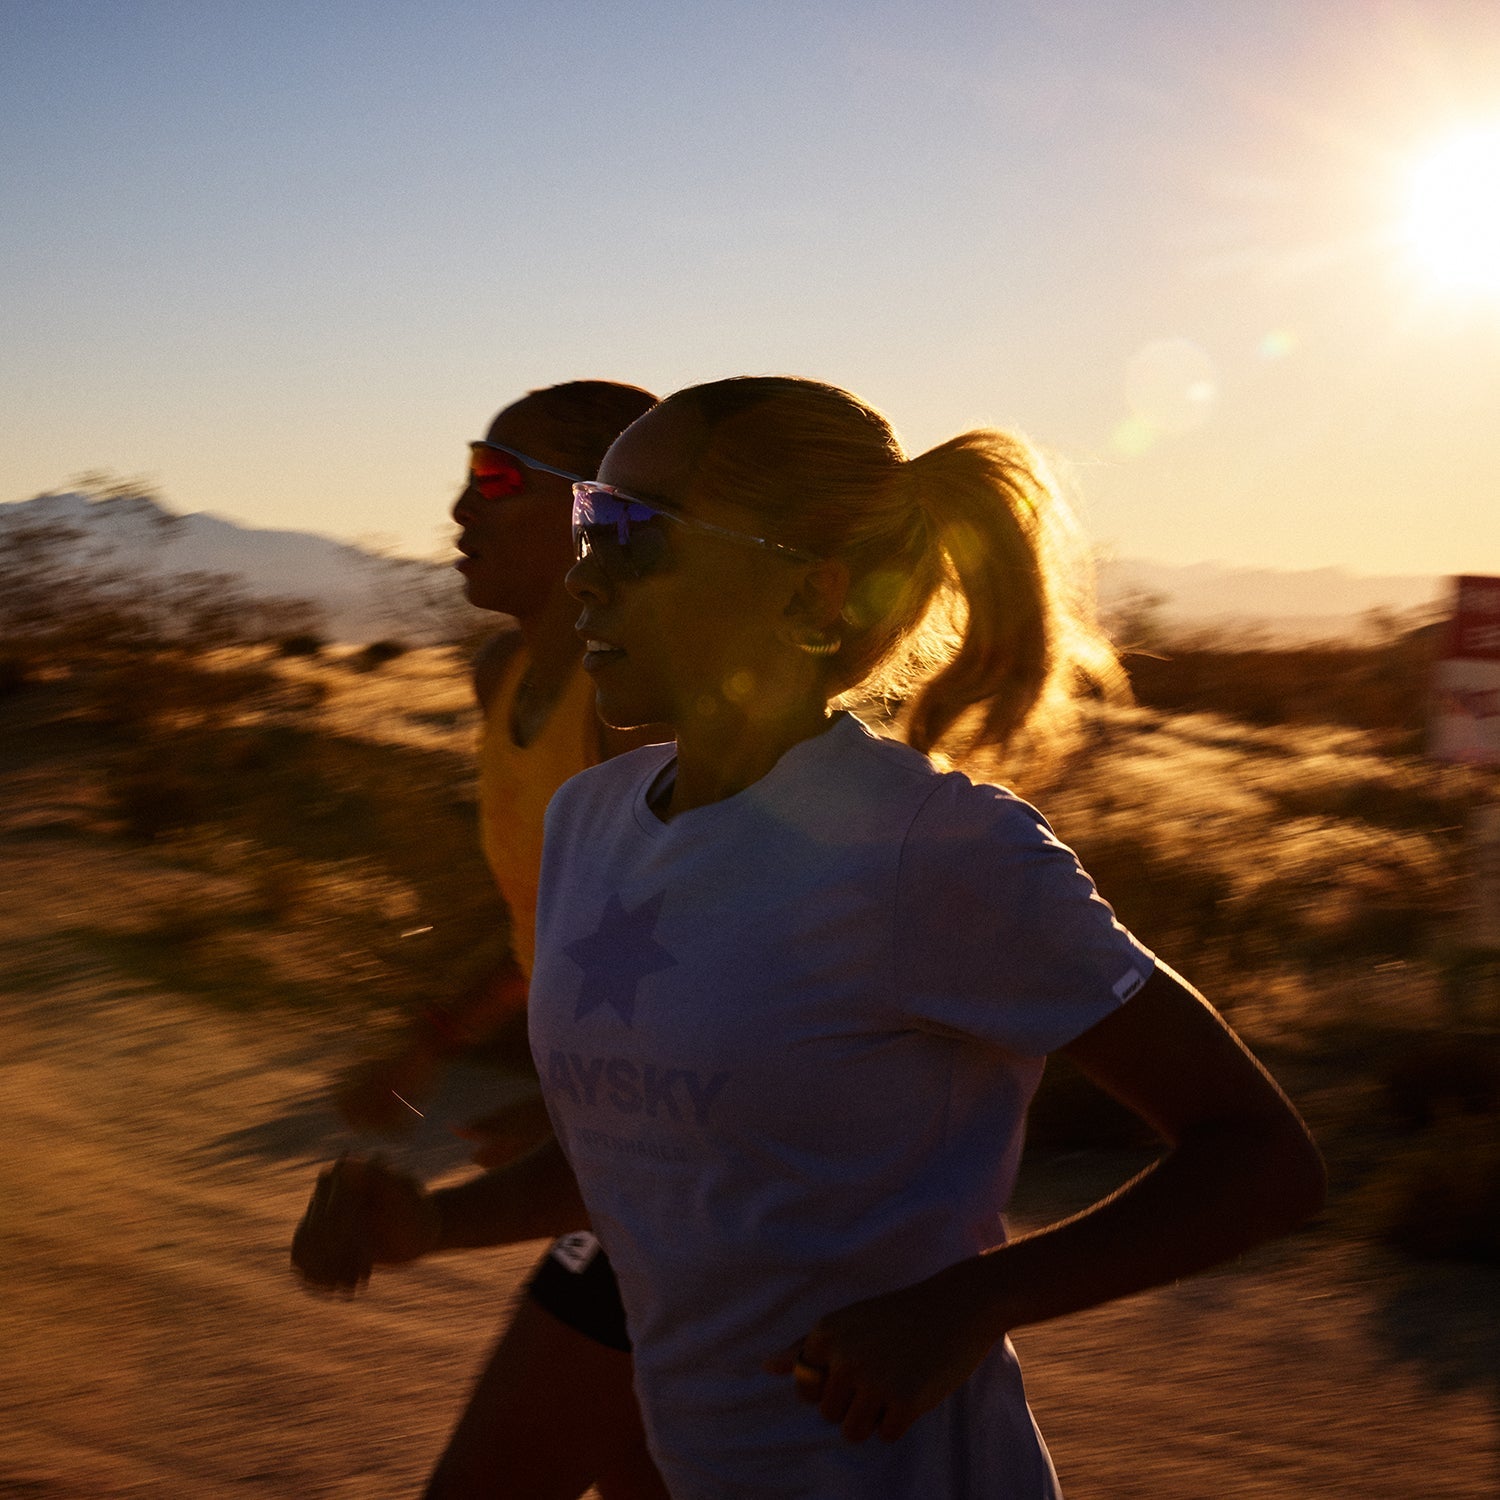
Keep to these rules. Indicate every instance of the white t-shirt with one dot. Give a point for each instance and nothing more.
(788, 1040)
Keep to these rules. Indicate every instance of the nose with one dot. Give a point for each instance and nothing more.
(463, 507)
(586, 581)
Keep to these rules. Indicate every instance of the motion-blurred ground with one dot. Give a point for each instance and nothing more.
(223, 875)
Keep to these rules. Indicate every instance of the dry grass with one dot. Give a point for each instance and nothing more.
(1308, 874)
(292, 803)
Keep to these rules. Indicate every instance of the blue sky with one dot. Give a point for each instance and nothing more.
(284, 258)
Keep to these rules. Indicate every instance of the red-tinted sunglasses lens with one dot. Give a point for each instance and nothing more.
(495, 475)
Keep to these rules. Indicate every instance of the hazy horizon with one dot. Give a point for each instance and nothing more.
(439, 553)
(351, 585)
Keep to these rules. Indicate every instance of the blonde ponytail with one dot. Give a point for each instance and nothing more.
(970, 598)
(1013, 611)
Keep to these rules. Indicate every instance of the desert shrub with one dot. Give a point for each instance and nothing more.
(1440, 1200)
(1320, 890)
(376, 655)
(15, 673)
(1380, 686)
(419, 598)
(368, 845)
(304, 643)
(1233, 848)
(272, 620)
(384, 834)
(1386, 791)
(51, 583)
(160, 782)
(153, 795)
(1437, 1078)
(183, 736)
(279, 886)
(223, 762)
(169, 693)
(1170, 890)
(1471, 984)
(203, 610)
(67, 598)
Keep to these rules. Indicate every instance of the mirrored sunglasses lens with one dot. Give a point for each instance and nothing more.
(495, 475)
(625, 536)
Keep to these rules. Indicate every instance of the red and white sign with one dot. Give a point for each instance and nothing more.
(1466, 682)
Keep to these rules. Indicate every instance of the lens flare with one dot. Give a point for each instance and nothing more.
(739, 687)
(1279, 343)
(1171, 387)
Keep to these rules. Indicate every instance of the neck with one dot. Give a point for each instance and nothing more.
(720, 753)
(551, 642)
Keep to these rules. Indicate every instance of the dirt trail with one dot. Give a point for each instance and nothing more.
(158, 1152)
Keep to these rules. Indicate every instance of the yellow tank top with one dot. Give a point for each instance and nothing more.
(516, 784)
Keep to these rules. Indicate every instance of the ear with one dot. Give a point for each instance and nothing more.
(820, 597)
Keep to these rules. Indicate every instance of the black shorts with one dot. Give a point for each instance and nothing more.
(576, 1284)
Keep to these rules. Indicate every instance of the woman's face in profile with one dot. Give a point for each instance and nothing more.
(695, 635)
(516, 548)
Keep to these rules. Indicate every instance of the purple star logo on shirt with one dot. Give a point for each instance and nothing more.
(617, 955)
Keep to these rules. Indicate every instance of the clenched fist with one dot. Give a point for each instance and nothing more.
(362, 1214)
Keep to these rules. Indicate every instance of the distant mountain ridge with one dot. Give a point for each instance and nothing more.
(363, 595)
(366, 596)
(1283, 605)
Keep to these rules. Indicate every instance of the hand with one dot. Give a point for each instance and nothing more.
(876, 1366)
(383, 1093)
(508, 1132)
(361, 1214)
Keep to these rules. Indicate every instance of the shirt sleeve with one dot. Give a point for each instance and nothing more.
(999, 932)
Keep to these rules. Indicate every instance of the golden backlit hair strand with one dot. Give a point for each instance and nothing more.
(971, 594)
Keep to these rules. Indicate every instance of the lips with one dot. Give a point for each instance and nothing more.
(469, 553)
(598, 652)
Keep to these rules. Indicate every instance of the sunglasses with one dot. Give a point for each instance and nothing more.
(629, 536)
(496, 472)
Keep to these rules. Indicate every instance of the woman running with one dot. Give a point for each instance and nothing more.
(552, 1412)
(795, 985)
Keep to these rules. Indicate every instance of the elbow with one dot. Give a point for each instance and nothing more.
(1268, 1168)
(1307, 1179)
(1292, 1176)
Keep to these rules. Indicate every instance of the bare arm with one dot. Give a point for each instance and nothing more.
(381, 1092)
(534, 1197)
(363, 1214)
(1240, 1168)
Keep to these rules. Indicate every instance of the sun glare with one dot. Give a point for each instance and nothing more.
(1453, 213)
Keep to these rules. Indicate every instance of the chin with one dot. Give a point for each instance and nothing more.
(483, 596)
(619, 714)
(615, 719)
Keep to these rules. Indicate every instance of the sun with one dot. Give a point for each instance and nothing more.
(1453, 212)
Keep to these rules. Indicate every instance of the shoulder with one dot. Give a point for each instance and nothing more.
(999, 929)
(980, 814)
(849, 789)
(608, 787)
(857, 761)
(973, 846)
(492, 661)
